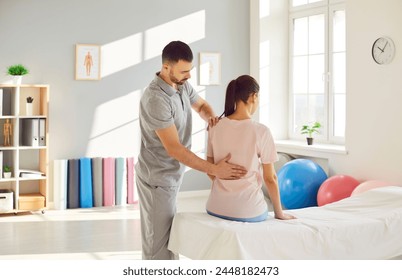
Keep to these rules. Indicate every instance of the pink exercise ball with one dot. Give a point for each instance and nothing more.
(336, 188)
(368, 185)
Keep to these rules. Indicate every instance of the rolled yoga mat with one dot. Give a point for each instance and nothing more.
(97, 181)
(108, 181)
(60, 179)
(73, 191)
(131, 197)
(121, 181)
(86, 198)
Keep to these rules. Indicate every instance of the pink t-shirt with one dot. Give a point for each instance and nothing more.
(250, 144)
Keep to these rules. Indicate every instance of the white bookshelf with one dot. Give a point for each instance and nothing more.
(29, 194)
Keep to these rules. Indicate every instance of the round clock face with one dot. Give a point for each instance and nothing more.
(383, 50)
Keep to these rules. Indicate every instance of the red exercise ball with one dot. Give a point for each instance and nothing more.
(368, 185)
(336, 188)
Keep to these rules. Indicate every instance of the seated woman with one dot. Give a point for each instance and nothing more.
(251, 145)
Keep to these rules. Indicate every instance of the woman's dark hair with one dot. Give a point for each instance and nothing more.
(175, 51)
(239, 90)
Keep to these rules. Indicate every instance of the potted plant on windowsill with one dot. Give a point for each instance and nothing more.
(17, 71)
(310, 129)
(7, 171)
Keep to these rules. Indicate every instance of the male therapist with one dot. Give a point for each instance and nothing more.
(165, 122)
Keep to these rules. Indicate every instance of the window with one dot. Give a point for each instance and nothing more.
(318, 68)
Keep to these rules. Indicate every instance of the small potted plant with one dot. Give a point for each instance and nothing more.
(310, 130)
(17, 71)
(29, 105)
(7, 171)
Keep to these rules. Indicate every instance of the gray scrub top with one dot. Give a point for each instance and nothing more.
(160, 107)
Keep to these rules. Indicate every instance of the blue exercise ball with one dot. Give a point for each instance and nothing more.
(299, 181)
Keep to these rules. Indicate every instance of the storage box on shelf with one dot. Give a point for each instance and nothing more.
(31, 201)
(24, 145)
(6, 200)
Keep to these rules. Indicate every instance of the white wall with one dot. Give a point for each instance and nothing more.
(374, 92)
(100, 118)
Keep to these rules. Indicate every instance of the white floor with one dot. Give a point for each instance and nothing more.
(91, 233)
(105, 233)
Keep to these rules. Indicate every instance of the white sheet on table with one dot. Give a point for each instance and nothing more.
(365, 226)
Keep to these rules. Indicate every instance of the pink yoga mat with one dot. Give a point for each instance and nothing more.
(108, 181)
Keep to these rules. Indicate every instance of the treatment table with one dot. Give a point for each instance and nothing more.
(363, 226)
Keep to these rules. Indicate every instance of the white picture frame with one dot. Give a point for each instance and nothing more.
(210, 68)
(87, 62)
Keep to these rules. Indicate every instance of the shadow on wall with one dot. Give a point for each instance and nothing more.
(115, 126)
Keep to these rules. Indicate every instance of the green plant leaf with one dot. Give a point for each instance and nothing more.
(6, 168)
(17, 70)
(310, 129)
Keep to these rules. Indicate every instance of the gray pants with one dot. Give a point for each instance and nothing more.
(157, 209)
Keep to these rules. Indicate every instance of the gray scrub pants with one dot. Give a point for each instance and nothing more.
(157, 209)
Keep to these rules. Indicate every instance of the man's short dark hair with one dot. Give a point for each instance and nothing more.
(175, 51)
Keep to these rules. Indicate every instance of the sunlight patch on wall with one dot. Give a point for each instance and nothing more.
(199, 125)
(264, 71)
(115, 127)
(188, 29)
(264, 8)
(198, 131)
(264, 81)
(121, 54)
(127, 52)
(193, 82)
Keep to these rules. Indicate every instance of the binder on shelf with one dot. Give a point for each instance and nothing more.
(30, 132)
(42, 132)
(34, 132)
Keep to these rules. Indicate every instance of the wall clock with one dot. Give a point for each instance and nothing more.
(383, 50)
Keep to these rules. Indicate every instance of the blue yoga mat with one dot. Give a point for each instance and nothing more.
(86, 194)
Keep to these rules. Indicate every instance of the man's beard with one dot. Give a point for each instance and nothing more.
(176, 81)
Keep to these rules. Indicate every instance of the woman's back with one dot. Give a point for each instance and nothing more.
(248, 142)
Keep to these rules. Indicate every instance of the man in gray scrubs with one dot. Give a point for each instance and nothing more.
(165, 122)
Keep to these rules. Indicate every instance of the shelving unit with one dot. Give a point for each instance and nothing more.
(29, 193)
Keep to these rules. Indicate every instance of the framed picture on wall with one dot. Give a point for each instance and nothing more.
(210, 68)
(87, 62)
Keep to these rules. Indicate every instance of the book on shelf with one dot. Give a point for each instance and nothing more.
(33, 174)
(1, 101)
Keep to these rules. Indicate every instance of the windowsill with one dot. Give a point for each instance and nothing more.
(316, 150)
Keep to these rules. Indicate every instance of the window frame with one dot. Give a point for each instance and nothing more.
(331, 100)
(327, 8)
